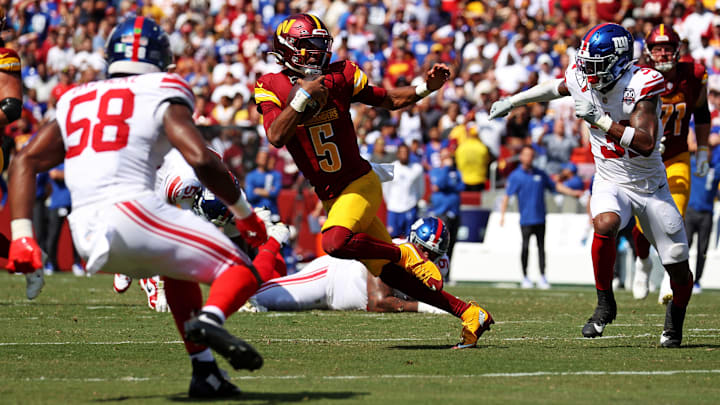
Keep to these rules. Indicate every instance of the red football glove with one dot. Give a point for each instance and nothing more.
(25, 256)
(252, 229)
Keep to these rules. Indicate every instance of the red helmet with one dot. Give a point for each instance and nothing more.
(303, 44)
(663, 35)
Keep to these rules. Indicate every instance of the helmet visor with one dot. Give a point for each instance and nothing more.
(315, 44)
(595, 69)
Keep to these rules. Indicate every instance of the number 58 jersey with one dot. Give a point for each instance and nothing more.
(623, 166)
(113, 135)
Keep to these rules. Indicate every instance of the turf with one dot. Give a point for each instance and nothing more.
(101, 347)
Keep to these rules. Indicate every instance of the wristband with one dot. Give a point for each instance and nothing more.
(301, 100)
(627, 137)
(241, 209)
(422, 90)
(605, 122)
(21, 228)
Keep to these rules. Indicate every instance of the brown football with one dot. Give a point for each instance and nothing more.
(312, 107)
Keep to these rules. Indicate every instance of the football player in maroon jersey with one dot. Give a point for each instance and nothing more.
(685, 95)
(324, 146)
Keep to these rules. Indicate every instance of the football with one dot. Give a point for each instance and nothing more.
(312, 107)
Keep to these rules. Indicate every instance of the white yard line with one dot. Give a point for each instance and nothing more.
(400, 376)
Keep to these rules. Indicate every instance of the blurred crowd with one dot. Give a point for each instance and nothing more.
(494, 48)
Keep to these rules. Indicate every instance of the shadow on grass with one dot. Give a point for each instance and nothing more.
(439, 347)
(269, 397)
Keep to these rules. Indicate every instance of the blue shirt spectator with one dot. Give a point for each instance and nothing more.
(446, 184)
(263, 184)
(529, 186)
(703, 190)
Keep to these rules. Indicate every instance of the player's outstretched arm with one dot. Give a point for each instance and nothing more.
(701, 115)
(381, 299)
(182, 134)
(282, 126)
(545, 91)
(44, 151)
(404, 96)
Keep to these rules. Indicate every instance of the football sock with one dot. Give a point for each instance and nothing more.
(342, 243)
(231, 289)
(642, 245)
(205, 355)
(603, 258)
(682, 292)
(185, 301)
(396, 277)
(268, 262)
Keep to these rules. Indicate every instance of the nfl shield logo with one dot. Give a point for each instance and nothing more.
(628, 96)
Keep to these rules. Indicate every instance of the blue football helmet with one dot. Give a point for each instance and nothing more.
(136, 46)
(606, 52)
(431, 234)
(208, 206)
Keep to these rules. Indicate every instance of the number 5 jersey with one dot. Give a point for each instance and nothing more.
(325, 146)
(623, 166)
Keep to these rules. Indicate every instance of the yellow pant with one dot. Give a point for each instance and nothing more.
(356, 209)
(678, 175)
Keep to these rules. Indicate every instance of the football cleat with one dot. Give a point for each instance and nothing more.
(154, 287)
(604, 314)
(206, 329)
(642, 278)
(526, 284)
(121, 283)
(672, 330)
(252, 306)
(78, 270)
(697, 289)
(476, 321)
(424, 270)
(34, 283)
(208, 381)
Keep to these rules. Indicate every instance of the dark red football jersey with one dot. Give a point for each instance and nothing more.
(325, 147)
(678, 103)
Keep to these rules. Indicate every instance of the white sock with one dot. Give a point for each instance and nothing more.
(205, 355)
(215, 311)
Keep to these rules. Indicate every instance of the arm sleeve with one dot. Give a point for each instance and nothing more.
(549, 184)
(512, 185)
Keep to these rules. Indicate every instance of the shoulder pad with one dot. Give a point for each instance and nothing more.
(646, 83)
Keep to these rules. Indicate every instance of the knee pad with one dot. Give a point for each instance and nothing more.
(678, 252)
(335, 239)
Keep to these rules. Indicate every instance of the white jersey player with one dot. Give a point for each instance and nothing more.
(343, 285)
(620, 104)
(112, 136)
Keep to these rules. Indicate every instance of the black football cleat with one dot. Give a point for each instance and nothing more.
(208, 382)
(604, 314)
(206, 329)
(672, 331)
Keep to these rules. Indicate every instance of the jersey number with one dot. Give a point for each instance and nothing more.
(105, 119)
(667, 112)
(326, 151)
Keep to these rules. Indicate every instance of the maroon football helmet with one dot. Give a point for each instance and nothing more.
(303, 44)
(663, 35)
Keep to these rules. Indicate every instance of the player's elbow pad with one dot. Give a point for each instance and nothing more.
(12, 107)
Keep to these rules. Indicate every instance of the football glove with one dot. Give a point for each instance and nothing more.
(154, 287)
(252, 229)
(280, 232)
(500, 108)
(661, 147)
(702, 167)
(25, 256)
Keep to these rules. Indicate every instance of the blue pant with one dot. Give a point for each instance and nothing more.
(398, 223)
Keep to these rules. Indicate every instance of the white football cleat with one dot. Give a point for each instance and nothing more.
(34, 283)
(78, 270)
(121, 283)
(155, 289)
(526, 283)
(252, 306)
(641, 281)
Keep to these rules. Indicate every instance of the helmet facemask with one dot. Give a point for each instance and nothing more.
(311, 53)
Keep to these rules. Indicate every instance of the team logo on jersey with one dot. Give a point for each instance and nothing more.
(628, 96)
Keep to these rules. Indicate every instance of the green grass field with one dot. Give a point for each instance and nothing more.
(81, 343)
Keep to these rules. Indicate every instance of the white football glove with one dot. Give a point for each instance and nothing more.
(265, 215)
(587, 111)
(280, 232)
(500, 108)
(702, 167)
(661, 147)
(155, 289)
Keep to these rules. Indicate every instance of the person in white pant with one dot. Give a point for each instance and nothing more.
(344, 285)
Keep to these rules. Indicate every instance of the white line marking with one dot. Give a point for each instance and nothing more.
(402, 376)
